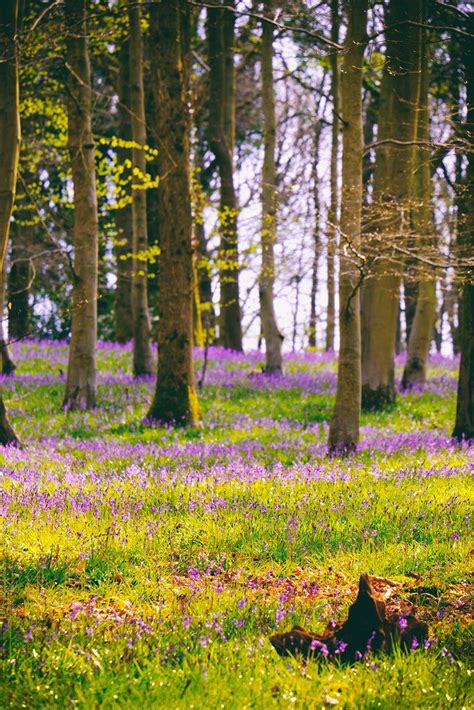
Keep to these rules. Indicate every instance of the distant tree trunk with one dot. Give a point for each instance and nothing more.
(464, 425)
(205, 284)
(19, 278)
(344, 427)
(143, 361)
(80, 390)
(8, 365)
(220, 28)
(271, 334)
(316, 240)
(175, 399)
(9, 150)
(332, 217)
(392, 190)
(124, 219)
(425, 313)
(410, 296)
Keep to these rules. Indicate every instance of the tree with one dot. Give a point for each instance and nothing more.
(80, 392)
(123, 217)
(8, 364)
(391, 200)
(220, 31)
(332, 217)
(464, 425)
(344, 427)
(142, 353)
(422, 325)
(273, 337)
(175, 399)
(20, 275)
(9, 150)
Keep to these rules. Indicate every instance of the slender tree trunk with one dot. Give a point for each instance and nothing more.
(392, 190)
(9, 150)
(410, 297)
(8, 365)
(124, 218)
(205, 284)
(220, 28)
(273, 337)
(143, 362)
(464, 425)
(175, 399)
(19, 278)
(316, 240)
(332, 217)
(344, 427)
(425, 313)
(80, 390)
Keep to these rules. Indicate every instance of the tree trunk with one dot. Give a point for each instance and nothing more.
(8, 365)
(464, 425)
(9, 150)
(316, 240)
(392, 190)
(80, 390)
(175, 399)
(273, 337)
(425, 313)
(19, 278)
(143, 361)
(332, 216)
(344, 427)
(124, 219)
(220, 28)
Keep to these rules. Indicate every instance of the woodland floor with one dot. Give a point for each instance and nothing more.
(147, 567)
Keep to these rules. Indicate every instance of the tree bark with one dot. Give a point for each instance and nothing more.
(271, 333)
(344, 427)
(19, 277)
(8, 364)
(421, 330)
(316, 240)
(175, 399)
(9, 150)
(80, 392)
(332, 228)
(392, 191)
(124, 219)
(143, 361)
(464, 425)
(220, 29)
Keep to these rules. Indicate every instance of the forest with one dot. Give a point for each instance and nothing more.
(237, 353)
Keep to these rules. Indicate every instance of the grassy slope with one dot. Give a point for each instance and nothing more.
(145, 567)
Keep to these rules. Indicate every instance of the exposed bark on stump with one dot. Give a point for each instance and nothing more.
(366, 630)
(80, 392)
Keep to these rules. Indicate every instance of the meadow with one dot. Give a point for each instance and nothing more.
(146, 567)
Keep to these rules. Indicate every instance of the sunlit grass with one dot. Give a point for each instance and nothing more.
(146, 567)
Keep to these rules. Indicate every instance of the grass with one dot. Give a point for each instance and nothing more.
(146, 567)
